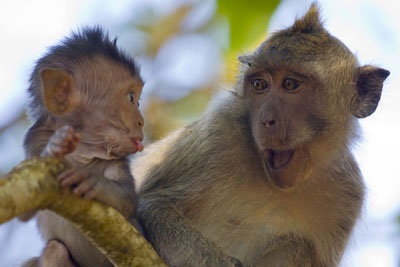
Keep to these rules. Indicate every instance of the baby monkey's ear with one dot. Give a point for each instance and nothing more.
(57, 90)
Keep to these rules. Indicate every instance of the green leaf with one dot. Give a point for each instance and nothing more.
(248, 20)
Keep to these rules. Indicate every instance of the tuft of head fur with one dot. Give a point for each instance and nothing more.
(310, 22)
(84, 44)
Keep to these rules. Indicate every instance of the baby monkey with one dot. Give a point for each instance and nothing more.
(85, 108)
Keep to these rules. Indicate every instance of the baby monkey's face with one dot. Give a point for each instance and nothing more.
(110, 123)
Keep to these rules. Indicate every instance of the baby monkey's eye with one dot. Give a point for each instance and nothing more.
(291, 84)
(131, 97)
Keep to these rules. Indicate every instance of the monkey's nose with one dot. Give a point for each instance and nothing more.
(140, 120)
(268, 123)
(271, 123)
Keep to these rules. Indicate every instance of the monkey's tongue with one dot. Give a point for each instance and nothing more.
(277, 160)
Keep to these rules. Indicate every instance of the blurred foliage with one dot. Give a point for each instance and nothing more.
(247, 23)
(163, 117)
(11, 135)
(161, 29)
(248, 20)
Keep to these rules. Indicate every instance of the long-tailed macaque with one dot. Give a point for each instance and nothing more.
(85, 94)
(266, 177)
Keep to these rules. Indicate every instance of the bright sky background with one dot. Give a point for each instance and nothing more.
(370, 28)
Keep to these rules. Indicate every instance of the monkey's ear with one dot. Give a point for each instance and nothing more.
(369, 88)
(57, 91)
(245, 59)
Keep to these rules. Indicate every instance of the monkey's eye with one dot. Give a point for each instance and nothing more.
(259, 85)
(291, 84)
(131, 97)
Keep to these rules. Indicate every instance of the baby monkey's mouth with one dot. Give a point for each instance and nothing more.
(277, 160)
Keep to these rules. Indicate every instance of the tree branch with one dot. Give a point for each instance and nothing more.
(32, 185)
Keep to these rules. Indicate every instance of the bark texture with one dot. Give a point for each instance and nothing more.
(32, 185)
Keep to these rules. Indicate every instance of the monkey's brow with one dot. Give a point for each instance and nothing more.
(297, 74)
(270, 70)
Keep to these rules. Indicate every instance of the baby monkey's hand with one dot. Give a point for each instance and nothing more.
(63, 141)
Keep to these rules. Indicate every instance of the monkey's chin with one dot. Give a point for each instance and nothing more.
(277, 160)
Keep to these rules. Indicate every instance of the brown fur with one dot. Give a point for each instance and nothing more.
(218, 188)
(85, 96)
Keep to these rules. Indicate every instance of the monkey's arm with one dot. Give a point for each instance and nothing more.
(117, 194)
(176, 241)
(121, 183)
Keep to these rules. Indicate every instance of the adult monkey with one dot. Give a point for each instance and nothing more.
(266, 176)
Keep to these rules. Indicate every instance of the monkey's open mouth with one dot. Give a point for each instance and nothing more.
(278, 159)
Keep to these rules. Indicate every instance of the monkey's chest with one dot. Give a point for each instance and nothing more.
(246, 222)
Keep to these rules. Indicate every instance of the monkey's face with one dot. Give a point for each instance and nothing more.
(283, 105)
(286, 85)
(303, 88)
(108, 116)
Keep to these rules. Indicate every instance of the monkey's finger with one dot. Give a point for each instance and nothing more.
(58, 150)
(76, 138)
(91, 194)
(58, 145)
(73, 142)
(58, 138)
(65, 132)
(65, 174)
(57, 141)
(66, 135)
(71, 138)
(83, 188)
(70, 178)
(67, 129)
